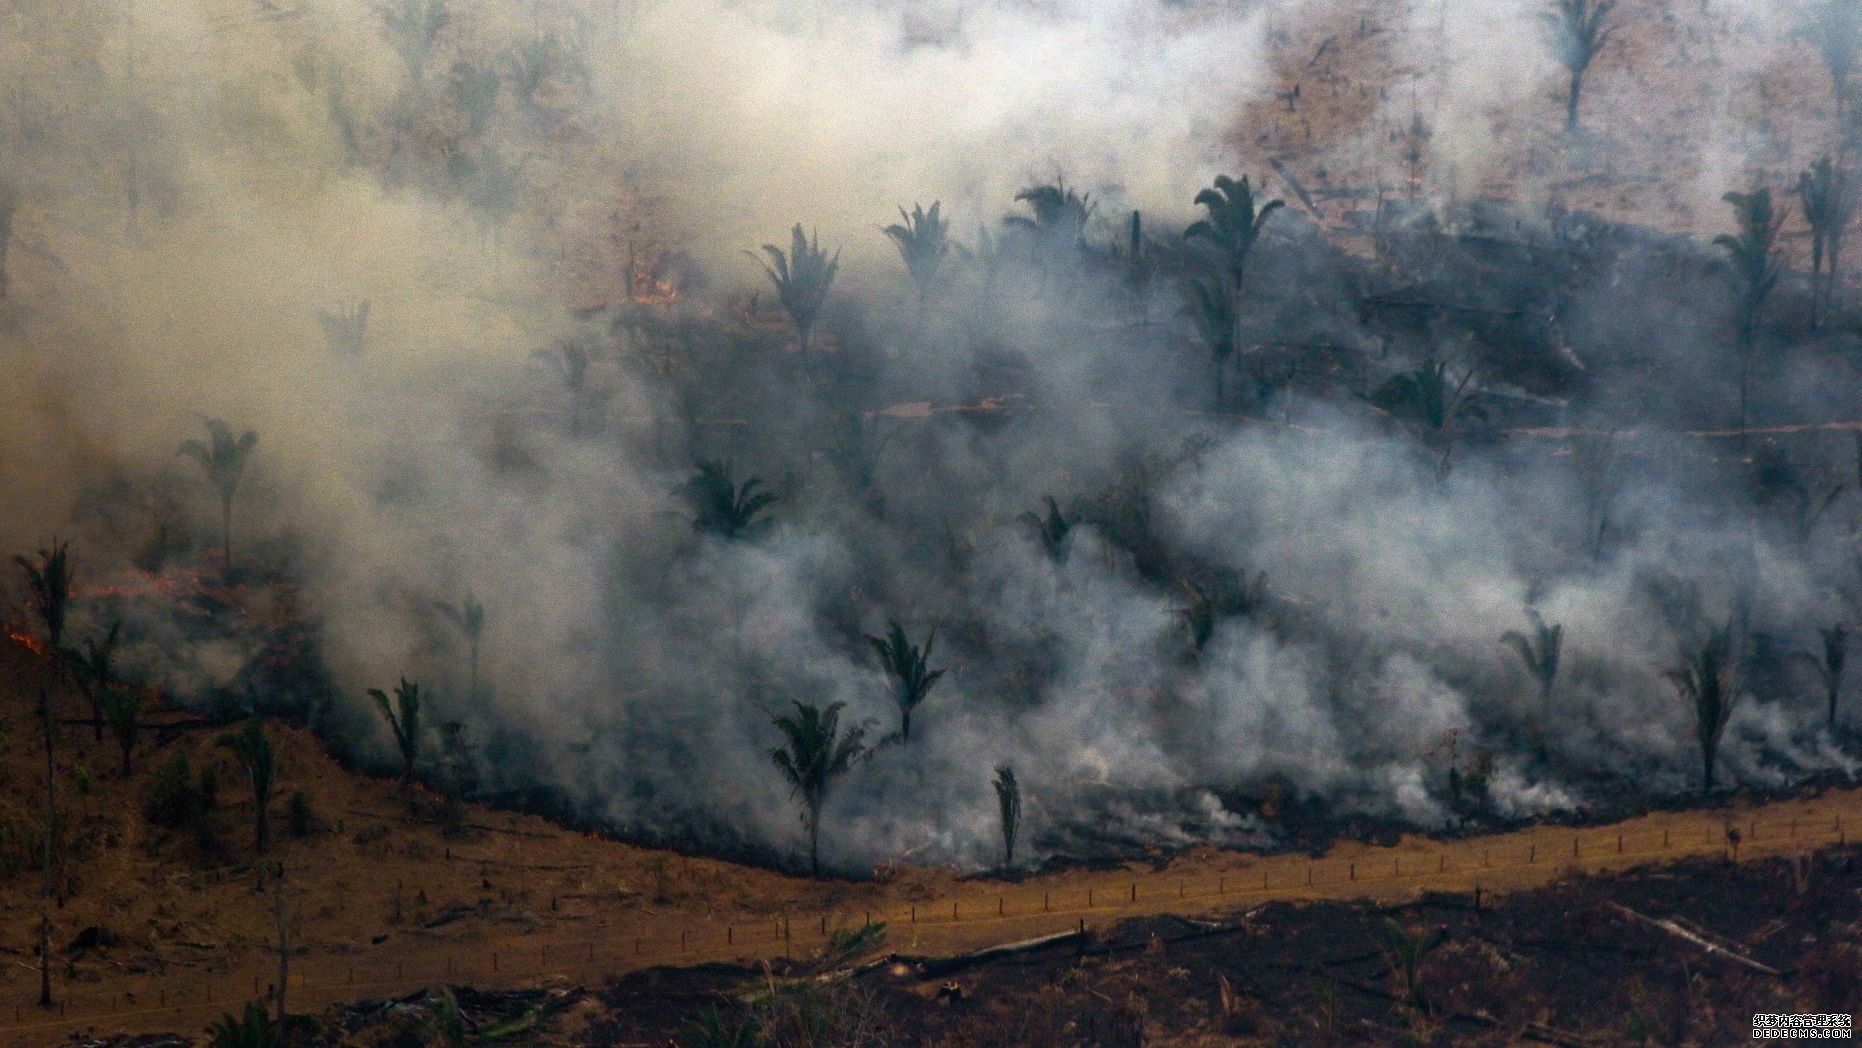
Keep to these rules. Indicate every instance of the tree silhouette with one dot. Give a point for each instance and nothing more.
(1756, 266)
(1705, 681)
(413, 28)
(468, 616)
(1432, 402)
(1216, 311)
(1050, 529)
(122, 709)
(923, 240)
(802, 279)
(1060, 217)
(1228, 594)
(1829, 668)
(909, 667)
(722, 507)
(48, 586)
(1009, 803)
(1835, 30)
(1829, 203)
(815, 753)
(253, 750)
(250, 1029)
(1232, 224)
(223, 457)
(403, 719)
(9, 204)
(345, 331)
(1578, 31)
(1538, 653)
(92, 670)
(570, 361)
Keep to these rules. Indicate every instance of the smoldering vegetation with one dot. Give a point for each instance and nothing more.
(1214, 508)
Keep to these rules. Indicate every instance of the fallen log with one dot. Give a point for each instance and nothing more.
(1713, 949)
(1299, 190)
(938, 966)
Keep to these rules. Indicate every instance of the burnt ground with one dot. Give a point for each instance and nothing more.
(1562, 965)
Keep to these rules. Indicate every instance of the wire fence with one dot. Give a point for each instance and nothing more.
(1491, 866)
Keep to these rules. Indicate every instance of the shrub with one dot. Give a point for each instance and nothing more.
(300, 820)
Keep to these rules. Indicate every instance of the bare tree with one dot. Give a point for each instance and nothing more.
(1829, 667)
(48, 585)
(1578, 31)
(259, 761)
(468, 616)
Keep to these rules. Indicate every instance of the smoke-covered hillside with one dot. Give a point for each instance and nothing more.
(1444, 469)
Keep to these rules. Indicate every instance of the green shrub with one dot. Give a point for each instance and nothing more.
(176, 801)
(300, 821)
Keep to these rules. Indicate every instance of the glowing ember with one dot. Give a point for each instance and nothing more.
(27, 640)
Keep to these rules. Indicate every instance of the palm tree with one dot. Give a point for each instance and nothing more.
(923, 240)
(1430, 400)
(1830, 667)
(92, 671)
(1233, 223)
(345, 331)
(1756, 266)
(1829, 202)
(909, 667)
(1227, 594)
(1051, 529)
(1539, 652)
(122, 709)
(256, 758)
(1216, 311)
(816, 753)
(1835, 30)
(570, 361)
(1577, 30)
(1060, 217)
(405, 724)
(469, 617)
(802, 279)
(224, 459)
(724, 508)
(48, 583)
(1705, 681)
(1009, 803)
(251, 1029)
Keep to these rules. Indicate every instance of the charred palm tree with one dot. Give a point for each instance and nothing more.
(1216, 311)
(1060, 215)
(1705, 681)
(1232, 224)
(1578, 31)
(1050, 529)
(1538, 652)
(468, 617)
(48, 586)
(223, 457)
(814, 754)
(1835, 30)
(724, 508)
(92, 671)
(1829, 203)
(909, 668)
(1009, 804)
(1754, 257)
(802, 279)
(923, 239)
(403, 718)
(253, 750)
(414, 26)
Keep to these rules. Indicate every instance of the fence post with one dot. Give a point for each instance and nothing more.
(1441, 865)
(1001, 910)
(1574, 846)
(1134, 887)
(1044, 906)
(1309, 874)
(1532, 855)
(1354, 871)
(730, 935)
(682, 940)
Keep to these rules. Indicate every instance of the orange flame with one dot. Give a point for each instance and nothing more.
(27, 640)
